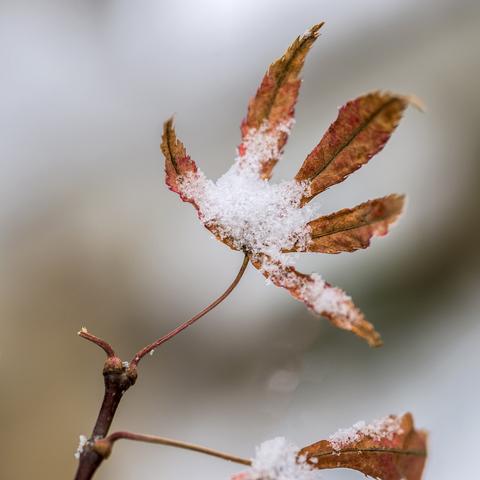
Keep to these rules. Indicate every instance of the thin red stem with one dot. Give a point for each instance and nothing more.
(104, 446)
(140, 354)
(84, 333)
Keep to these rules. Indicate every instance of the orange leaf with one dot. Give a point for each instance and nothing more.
(320, 297)
(274, 102)
(352, 228)
(177, 163)
(361, 129)
(390, 449)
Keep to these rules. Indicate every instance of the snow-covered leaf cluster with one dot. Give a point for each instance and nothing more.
(270, 222)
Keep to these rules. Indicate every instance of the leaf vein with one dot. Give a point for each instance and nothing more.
(354, 134)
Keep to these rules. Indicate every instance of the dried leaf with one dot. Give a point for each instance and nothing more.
(274, 102)
(352, 228)
(264, 222)
(177, 162)
(179, 165)
(361, 129)
(392, 450)
(320, 297)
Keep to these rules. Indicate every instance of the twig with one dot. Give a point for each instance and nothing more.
(119, 377)
(84, 333)
(149, 348)
(104, 446)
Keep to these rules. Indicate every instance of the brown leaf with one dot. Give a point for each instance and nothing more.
(274, 102)
(177, 162)
(178, 165)
(320, 297)
(395, 451)
(361, 129)
(352, 228)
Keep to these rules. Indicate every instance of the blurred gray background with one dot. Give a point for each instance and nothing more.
(91, 236)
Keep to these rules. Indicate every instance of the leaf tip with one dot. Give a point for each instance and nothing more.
(314, 30)
(375, 342)
(397, 204)
(416, 102)
(168, 124)
(406, 99)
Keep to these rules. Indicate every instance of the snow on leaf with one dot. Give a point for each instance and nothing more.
(275, 100)
(261, 145)
(361, 129)
(278, 459)
(388, 449)
(249, 213)
(351, 229)
(270, 221)
(320, 297)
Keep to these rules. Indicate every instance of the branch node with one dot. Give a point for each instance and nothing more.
(103, 447)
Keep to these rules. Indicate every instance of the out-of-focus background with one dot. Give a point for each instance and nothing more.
(91, 236)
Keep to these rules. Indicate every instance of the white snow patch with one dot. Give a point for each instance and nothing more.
(384, 428)
(82, 440)
(315, 292)
(325, 298)
(277, 459)
(265, 219)
(252, 213)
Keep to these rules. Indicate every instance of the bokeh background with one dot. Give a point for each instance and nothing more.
(91, 236)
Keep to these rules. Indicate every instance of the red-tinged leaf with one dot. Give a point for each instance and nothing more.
(320, 297)
(247, 220)
(391, 449)
(178, 166)
(351, 229)
(361, 129)
(274, 103)
(178, 163)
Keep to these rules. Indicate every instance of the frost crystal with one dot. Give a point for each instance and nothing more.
(82, 440)
(255, 215)
(276, 459)
(377, 430)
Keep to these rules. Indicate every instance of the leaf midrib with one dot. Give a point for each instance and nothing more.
(391, 451)
(334, 232)
(170, 152)
(354, 134)
(283, 74)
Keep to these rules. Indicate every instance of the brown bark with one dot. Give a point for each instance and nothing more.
(118, 378)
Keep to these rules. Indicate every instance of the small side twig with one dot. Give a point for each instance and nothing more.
(84, 333)
(149, 348)
(104, 446)
(118, 378)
